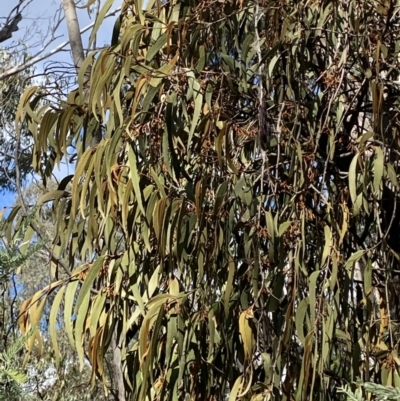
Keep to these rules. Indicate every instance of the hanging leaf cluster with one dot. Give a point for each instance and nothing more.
(228, 264)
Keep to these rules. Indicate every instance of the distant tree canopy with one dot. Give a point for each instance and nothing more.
(13, 148)
(218, 268)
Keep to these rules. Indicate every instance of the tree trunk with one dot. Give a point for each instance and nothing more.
(74, 33)
(117, 364)
(78, 55)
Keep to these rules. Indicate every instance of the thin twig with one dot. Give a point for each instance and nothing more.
(24, 208)
(34, 60)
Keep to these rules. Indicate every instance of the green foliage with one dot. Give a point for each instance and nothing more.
(11, 257)
(10, 91)
(24, 267)
(381, 393)
(11, 376)
(224, 269)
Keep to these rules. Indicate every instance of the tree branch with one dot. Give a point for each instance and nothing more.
(33, 60)
(7, 30)
(14, 18)
(74, 34)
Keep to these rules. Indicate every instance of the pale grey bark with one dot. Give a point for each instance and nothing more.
(74, 32)
(78, 54)
(117, 368)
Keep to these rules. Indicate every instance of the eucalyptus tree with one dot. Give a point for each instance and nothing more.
(237, 223)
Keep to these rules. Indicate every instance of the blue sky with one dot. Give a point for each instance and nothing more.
(40, 15)
(38, 19)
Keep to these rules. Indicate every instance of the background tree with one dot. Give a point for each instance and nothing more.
(235, 231)
(40, 377)
(22, 50)
(12, 376)
(10, 92)
(17, 47)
